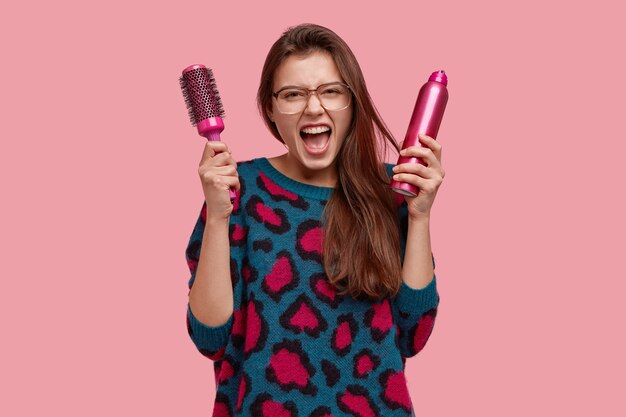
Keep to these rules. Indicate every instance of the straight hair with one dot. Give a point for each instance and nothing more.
(361, 240)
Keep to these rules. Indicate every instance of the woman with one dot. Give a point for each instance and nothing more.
(300, 291)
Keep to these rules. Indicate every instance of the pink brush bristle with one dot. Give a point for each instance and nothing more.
(200, 93)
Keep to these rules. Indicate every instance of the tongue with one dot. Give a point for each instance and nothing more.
(316, 140)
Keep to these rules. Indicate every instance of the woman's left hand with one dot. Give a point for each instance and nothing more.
(426, 178)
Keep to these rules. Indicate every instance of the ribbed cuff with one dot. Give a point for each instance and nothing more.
(417, 301)
(209, 337)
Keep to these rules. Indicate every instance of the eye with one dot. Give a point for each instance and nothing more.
(333, 90)
(291, 94)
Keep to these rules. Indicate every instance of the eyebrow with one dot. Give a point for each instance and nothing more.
(299, 86)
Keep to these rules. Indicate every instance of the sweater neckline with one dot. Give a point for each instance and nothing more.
(297, 187)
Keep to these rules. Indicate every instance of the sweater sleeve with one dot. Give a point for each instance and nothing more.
(211, 341)
(414, 310)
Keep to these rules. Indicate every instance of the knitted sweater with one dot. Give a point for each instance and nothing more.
(293, 347)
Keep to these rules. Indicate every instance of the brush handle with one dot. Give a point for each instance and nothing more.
(211, 128)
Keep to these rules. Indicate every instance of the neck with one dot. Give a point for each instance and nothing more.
(292, 168)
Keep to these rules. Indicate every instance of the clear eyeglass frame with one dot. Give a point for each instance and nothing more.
(304, 103)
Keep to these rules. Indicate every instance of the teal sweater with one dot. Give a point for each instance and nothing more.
(293, 347)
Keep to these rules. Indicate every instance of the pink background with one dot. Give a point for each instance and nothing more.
(100, 190)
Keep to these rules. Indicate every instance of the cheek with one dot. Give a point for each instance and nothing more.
(286, 128)
(343, 125)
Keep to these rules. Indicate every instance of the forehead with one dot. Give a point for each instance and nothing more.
(307, 70)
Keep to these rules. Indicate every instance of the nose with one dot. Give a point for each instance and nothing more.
(314, 105)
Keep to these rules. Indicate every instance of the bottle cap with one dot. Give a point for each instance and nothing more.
(439, 76)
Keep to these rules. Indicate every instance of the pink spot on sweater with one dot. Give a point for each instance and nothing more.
(344, 336)
(274, 189)
(364, 365)
(242, 392)
(325, 288)
(358, 404)
(312, 240)
(288, 368)
(246, 273)
(239, 233)
(192, 265)
(382, 319)
(396, 390)
(424, 329)
(280, 275)
(253, 326)
(274, 409)
(268, 215)
(239, 323)
(226, 371)
(304, 318)
(220, 410)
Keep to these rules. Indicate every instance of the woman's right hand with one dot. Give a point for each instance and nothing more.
(218, 173)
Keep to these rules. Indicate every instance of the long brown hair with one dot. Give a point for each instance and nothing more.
(361, 247)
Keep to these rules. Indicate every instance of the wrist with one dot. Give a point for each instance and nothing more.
(422, 218)
(216, 221)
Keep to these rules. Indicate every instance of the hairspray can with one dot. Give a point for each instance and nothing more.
(426, 118)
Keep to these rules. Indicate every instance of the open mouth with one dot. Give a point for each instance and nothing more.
(316, 138)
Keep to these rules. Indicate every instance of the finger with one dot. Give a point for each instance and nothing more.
(411, 179)
(230, 181)
(221, 159)
(425, 184)
(213, 147)
(225, 170)
(425, 137)
(229, 159)
(417, 169)
(432, 144)
(220, 182)
(425, 154)
(218, 145)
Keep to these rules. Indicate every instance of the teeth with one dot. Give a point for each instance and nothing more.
(315, 130)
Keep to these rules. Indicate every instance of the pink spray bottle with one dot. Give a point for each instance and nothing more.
(426, 118)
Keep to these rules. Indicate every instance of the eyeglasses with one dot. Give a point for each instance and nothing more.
(332, 96)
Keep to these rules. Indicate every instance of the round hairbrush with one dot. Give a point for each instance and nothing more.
(203, 103)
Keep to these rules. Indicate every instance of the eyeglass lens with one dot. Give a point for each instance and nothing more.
(331, 96)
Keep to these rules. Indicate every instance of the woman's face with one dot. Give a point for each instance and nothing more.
(311, 154)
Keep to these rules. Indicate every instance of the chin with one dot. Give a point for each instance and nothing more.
(320, 163)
